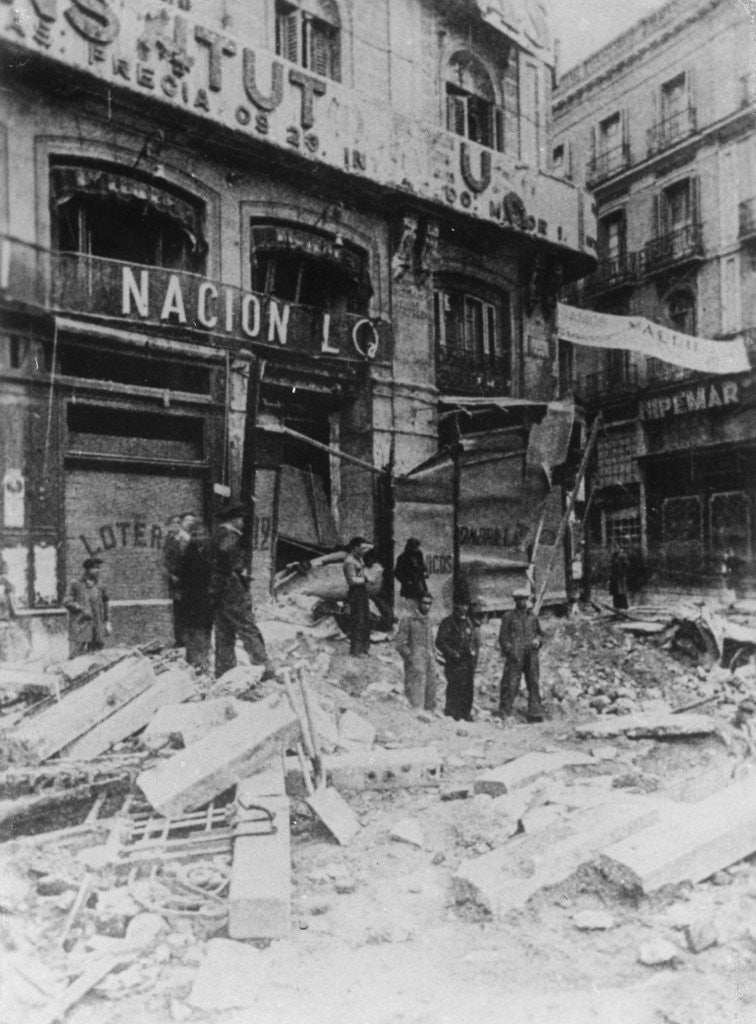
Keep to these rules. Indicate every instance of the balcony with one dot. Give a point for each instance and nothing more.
(460, 372)
(671, 130)
(747, 220)
(605, 164)
(34, 279)
(684, 245)
(606, 386)
(615, 273)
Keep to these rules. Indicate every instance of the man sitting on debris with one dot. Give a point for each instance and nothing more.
(457, 640)
(520, 640)
(414, 642)
(88, 611)
(197, 607)
(232, 604)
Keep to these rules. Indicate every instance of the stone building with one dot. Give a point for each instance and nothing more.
(661, 126)
(248, 248)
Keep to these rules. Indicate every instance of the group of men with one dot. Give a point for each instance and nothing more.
(208, 584)
(457, 640)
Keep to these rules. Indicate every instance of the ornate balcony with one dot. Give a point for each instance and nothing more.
(684, 245)
(747, 220)
(459, 372)
(614, 273)
(605, 164)
(671, 130)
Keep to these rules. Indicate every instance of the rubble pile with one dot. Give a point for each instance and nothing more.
(161, 831)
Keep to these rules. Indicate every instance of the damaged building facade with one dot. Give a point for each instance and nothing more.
(661, 126)
(265, 249)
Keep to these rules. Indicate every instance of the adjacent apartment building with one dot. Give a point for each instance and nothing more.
(661, 126)
(249, 248)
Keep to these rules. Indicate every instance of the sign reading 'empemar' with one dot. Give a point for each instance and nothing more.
(203, 70)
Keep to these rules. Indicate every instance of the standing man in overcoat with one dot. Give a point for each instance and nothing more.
(88, 609)
(414, 642)
(520, 638)
(457, 640)
(232, 604)
(174, 547)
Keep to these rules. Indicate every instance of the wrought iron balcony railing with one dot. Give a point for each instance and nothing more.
(747, 218)
(679, 246)
(605, 164)
(671, 130)
(613, 272)
(463, 372)
(35, 278)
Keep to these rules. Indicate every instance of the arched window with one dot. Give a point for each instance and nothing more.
(681, 311)
(308, 33)
(471, 109)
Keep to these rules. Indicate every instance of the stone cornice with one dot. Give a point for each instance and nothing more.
(648, 34)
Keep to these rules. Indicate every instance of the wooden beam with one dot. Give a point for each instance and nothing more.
(80, 710)
(232, 752)
(698, 840)
(177, 684)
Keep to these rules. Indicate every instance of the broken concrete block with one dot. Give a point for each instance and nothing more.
(593, 921)
(231, 975)
(374, 769)
(659, 952)
(648, 725)
(188, 723)
(223, 757)
(522, 770)
(237, 680)
(701, 935)
(144, 930)
(355, 731)
(691, 843)
(408, 831)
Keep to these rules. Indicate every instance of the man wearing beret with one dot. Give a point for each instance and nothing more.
(229, 589)
(88, 611)
(520, 640)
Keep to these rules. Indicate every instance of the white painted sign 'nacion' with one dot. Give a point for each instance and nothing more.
(636, 334)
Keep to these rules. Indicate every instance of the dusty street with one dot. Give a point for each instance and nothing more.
(386, 928)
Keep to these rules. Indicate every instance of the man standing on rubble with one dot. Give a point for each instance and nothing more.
(195, 583)
(229, 588)
(179, 535)
(457, 640)
(88, 611)
(520, 640)
(414, 642)
(357, 596)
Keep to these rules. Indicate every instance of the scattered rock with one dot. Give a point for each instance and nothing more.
(115, 908)
(144, 930)
(408, 831)
(355, 731)
(701, 935)
(593, 921)
(659, 952)
(605, 753)
(54, 885)
(721, 878)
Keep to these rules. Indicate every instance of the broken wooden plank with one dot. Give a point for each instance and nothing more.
(175, 685)
(259, 902)
(94, 973)
(653, 725)
(698, 840)
(229, 753)
(507, 877)
(374, 769)
(59, 725)
(523, 770)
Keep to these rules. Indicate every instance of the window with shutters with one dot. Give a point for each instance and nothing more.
(309, 34)
(681, 311)
(471, 109)
(473, 339)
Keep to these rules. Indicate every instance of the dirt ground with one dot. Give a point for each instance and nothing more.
(377, 936)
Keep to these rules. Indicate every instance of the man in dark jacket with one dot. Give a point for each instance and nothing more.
(174, 546)
(457, 640)
(197, 608)
(88, 611)
(520, 640)
(229, 588)
(411, 572)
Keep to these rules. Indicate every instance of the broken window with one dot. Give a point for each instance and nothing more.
(471, 110)
(309, 34)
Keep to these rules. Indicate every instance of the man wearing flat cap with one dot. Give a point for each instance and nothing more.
(520, 640)
(229, 589)
(88, 609)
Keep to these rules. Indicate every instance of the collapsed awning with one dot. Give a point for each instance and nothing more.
(637, 334)
(523, 21)
(68, 182)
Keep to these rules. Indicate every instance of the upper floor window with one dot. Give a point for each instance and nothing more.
(676, 113)
(678, 205)
(112, 215)
(309, 268)
(471, 110)
(681, 311)
(473, 336)
(612, 236)
(610, 133)
(308, 33)
(673, 97)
